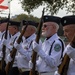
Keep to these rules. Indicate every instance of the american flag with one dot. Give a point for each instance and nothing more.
(4, 4)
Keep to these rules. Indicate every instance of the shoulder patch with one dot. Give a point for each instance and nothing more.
(57, 47)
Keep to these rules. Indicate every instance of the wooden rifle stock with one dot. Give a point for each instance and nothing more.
(14, 50)
(32, 71)
(2, 64)
(62, 70)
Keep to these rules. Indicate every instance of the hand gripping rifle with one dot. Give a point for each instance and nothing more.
(62, 70)
(2, 64)
(14, 50)
(32, 71)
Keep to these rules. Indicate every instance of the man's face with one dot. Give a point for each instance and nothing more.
(12, 29)
(47, 29)
(3, 27)
(69, 31)
(29, 31)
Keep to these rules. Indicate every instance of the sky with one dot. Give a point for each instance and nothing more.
(16, 9)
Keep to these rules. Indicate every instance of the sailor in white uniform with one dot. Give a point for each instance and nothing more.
(14, 31)
(25, 48)
(50, 53)
(3, 25)
(68, 23)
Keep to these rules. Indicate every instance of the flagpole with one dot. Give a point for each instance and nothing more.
(9, 9)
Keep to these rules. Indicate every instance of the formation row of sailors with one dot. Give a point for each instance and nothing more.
(50, 52)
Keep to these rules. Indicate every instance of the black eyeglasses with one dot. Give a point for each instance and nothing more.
(45, 25)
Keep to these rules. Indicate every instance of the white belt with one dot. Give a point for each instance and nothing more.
(24, 69)
(46, 73)
(43, 72)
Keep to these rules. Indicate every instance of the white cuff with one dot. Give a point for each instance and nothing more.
(56, 73)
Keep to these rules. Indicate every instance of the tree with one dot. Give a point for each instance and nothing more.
(52, 6)
(21, 17)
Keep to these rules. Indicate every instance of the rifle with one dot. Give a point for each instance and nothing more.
(32, 71)
(2, 64)
(62, 70)
(14, 50)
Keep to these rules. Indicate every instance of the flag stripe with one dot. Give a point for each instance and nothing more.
(3, 7)
(1, 1)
